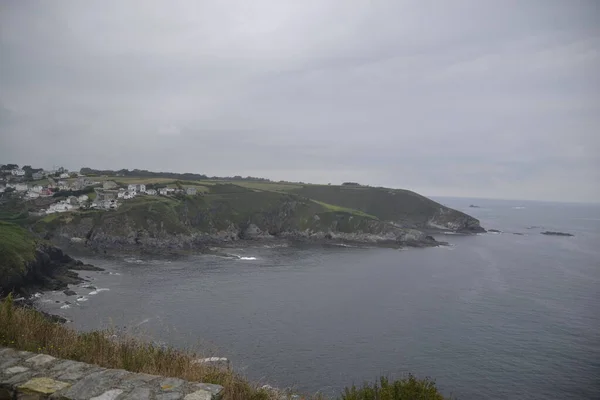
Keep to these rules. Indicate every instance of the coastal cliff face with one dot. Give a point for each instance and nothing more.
(28, 264)
(230, 213)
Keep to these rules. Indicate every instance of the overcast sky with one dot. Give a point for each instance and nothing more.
(479, 98)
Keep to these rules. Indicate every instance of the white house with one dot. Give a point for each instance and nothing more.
(33, 195)
(17, 172)
(59, 207)
(21, 187)
(163, 191)
(37, 188)
(64, 175)
(138, 187)
(83, 198)
(105, 204)
(151, 192)
(191, 190)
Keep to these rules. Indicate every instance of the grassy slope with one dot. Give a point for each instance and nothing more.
(385, 204)
(17, 247)
(26, 329)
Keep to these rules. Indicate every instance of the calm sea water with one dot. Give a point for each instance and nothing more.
(493, 316)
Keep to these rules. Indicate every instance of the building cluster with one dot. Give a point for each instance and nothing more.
(107, 195)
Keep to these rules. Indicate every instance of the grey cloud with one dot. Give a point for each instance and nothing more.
(471, 98)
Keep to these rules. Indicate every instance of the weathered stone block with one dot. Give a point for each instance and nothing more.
(216, 390)
(95, 384)
(40, 360)
(9, 362)
(108, 395)
(170, 384)
(17, 379)
(199, 395)
(170, 396)
(139, 393)
(8, 352)
(15, 370)
(72, 370)
(41, 386)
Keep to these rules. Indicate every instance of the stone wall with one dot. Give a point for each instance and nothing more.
(30, 376)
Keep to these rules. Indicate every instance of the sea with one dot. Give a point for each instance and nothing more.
(501, 315)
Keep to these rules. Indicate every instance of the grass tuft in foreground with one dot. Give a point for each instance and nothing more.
(27, 329)
(409, 388)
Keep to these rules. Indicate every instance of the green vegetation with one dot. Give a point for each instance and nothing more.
(409, 388)
(334, 208)
(385, 204)
(27, 329)
(17, 247)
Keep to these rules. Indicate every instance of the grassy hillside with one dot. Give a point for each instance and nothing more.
(385, 204)
(17, 247)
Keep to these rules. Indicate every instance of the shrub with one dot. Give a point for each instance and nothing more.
(409, 388)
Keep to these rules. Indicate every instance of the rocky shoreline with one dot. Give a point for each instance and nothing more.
(51, 269)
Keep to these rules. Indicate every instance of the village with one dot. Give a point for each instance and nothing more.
(74, 191)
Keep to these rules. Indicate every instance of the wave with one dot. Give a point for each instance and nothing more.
(132, 260)
(64, 307)
(82, 298)
(518, 208)
(236, 257)
(275, 246)
(98, 291)
(88, 286)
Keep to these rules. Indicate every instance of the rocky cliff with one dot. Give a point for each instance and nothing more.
(28, 264)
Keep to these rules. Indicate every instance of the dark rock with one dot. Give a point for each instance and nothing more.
(494, 231)
(85, 267)
(473, 206)
(551, 233)
(69, 292)
(517, 233)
